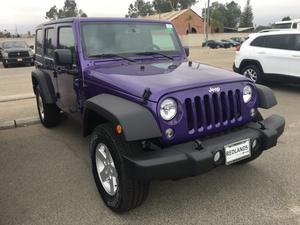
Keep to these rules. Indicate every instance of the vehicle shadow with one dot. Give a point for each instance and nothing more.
(287, 87)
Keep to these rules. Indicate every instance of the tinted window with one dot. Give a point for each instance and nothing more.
(296, 45)
(50, 36)
(295, 26)
(277, 41)
(259, 42)
(39, 42)
(283, 26)
(66, 38)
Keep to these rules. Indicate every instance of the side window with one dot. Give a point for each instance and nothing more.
(259, 42)
(295, 26)
(296, 45)
(49, 45)
(39, 42)
(66, 38)
(278, 41)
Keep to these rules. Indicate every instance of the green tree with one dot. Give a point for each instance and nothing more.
(140, 8)
(232, 14)
(286, 18)
(162, 6)
(69, 10)
(247, 16)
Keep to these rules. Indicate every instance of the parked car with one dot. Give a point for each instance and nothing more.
(215, 44)
(238, 39)
(231, 42)
(150, 113)
(15, 53)
(271, 55)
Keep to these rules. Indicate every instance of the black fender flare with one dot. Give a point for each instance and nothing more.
(45, 83)
(266, 97)
(137, 121)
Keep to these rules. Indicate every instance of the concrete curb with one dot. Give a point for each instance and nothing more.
(22, 122)
(10, 98)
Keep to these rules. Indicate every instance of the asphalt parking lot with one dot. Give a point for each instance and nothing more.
(45, 175)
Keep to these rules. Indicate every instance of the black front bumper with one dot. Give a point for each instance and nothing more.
(185, 160)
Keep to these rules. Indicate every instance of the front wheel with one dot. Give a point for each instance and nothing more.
(118, 190)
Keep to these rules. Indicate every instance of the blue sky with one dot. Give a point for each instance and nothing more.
(25, 15)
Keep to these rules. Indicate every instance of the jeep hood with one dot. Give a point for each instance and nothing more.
(161, 78)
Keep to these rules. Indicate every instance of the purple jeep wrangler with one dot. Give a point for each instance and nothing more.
(151, 114)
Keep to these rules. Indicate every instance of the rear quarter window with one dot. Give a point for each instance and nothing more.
(259, 42)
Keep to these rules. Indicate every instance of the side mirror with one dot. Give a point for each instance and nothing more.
(187, 51)
(63, 57)
(31, 46)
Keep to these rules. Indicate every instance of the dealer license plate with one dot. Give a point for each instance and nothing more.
(237, 151)
(19, 60)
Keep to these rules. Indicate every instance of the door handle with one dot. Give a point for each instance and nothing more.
(262, 53)
(296, 56)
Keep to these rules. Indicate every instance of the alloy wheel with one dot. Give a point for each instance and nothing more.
(106, 169)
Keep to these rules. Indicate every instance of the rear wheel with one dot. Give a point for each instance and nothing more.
(253, 73)
(5, 65)
(118, 190)
(49, 113)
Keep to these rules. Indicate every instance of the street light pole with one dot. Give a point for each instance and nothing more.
(207, 21)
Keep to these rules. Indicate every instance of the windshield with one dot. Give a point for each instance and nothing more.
(14, 44)
(102, 38)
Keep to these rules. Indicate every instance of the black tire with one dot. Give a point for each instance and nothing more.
(130, 193)
(5, 65)
(49, 114)
(32, 64)
(253, 69)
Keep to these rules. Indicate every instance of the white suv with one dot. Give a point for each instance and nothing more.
(272, 55)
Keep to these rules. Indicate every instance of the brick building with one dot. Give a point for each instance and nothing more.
(185, 21)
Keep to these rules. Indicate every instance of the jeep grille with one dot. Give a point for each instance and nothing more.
(215, 110)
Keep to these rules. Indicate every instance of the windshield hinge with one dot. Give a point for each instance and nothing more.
(147, 93)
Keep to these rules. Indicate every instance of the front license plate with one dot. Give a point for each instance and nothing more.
(237, 151)
(19, 60)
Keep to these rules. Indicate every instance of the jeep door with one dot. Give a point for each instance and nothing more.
(48, 55)
(68, 82)
(294, 63)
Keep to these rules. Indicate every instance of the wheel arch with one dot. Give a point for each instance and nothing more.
(247, 62)
(137, 122)
(43, 80)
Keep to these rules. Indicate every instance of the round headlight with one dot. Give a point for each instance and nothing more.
(168, 109)
(247, 93)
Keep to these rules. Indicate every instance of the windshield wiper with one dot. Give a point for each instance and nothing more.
(155, 53)
(111, 56)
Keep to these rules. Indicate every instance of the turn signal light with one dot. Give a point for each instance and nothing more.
(118, 129)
